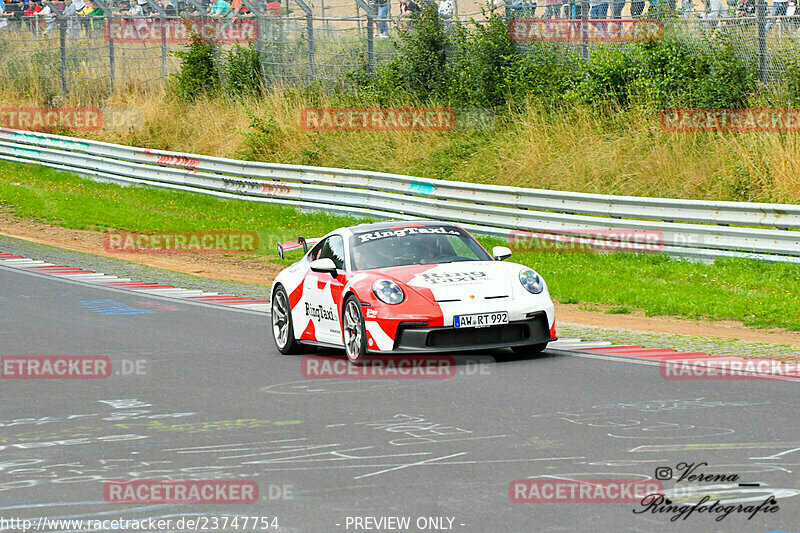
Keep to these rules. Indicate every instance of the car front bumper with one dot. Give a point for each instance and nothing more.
(413, 338)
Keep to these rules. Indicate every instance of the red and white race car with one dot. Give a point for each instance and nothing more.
(408, 287)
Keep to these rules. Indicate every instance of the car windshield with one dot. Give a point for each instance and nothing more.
(423, 245)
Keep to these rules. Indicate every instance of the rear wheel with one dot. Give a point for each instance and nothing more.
(355, 333)
(530, 349)
(282, 328)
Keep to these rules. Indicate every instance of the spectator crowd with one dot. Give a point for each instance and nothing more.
(84, 15)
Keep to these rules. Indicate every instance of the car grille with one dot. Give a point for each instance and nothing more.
(478, 336)
(415, 336)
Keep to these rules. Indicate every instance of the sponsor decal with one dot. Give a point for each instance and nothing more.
(375, 235)
(434, 278)
(201, 492)
(730, 120)
(321, 312)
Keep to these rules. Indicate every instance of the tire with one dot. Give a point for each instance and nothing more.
(354, 332)
(282, 326)
(531, 349)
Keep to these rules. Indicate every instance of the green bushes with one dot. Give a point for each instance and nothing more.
(198, 73)
(238, 74)
(480, 66)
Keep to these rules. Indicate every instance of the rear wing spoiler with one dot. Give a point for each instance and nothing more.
(288, 246)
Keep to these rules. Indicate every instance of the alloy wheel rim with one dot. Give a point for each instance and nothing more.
(280, 319)
(352, 330)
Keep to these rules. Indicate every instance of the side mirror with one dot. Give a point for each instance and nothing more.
(501, 253)
(324, 265)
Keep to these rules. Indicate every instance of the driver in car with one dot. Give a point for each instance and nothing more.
(429, 251)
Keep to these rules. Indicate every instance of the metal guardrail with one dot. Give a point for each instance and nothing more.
(690, 228)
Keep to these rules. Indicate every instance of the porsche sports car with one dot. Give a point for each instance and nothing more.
(408, 287)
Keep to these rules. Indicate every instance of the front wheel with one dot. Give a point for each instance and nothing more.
(355, 333)
(530, 349)
(282, 328)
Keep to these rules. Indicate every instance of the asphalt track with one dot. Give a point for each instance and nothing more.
(213, 399)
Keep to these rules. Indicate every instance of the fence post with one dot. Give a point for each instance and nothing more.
(310, 30)
(584, 30)
(761, 38)
(370, 34)
(62, 42)
(259, 43)
(358, 21)
(107, 31)
(162, 13)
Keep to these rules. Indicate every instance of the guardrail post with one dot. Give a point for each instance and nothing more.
(107, 31)
(761, 38)
(370, 34)
(310, 31)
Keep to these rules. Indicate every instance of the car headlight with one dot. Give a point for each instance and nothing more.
(531, 281)
(388, 291)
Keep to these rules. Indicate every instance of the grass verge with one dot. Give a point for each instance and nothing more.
(758, 294)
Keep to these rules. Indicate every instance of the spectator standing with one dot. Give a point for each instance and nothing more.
(714, 9)
(94, 14)
(383, 15)
(779, 8)
(218, 8)
(236, 9)
(33, 10)
(407, 9)
(50, 18)
(598, 9)
(552, 9)
(3, 15)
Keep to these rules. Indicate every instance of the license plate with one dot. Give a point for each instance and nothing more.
(481, 320)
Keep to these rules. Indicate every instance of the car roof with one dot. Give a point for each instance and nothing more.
(392, 224)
